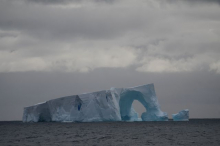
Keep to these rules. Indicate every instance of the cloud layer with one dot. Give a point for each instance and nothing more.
(80, 36)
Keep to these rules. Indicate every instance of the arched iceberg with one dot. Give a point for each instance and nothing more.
(107, 105)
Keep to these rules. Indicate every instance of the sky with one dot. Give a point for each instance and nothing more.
(54, 48)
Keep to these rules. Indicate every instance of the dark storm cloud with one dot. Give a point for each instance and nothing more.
(7, 34)
(64, 2)
(58, 23)
(195, 1)
(106, 1)
(53, 1)
(183, 32)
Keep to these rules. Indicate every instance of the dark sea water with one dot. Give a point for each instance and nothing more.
(194, 132)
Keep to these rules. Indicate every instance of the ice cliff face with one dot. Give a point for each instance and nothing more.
(108, 105)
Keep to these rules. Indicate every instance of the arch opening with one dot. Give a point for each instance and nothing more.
(127, 111)
(138, 107)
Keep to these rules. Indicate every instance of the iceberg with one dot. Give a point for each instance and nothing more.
(114, 104)
(181, 116)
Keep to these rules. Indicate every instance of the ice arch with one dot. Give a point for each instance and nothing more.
(147, 97)
(107, 105)
(126, 110)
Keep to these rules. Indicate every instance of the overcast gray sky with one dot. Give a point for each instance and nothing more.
(54, 48)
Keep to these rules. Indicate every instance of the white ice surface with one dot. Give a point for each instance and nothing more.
(107, 105)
